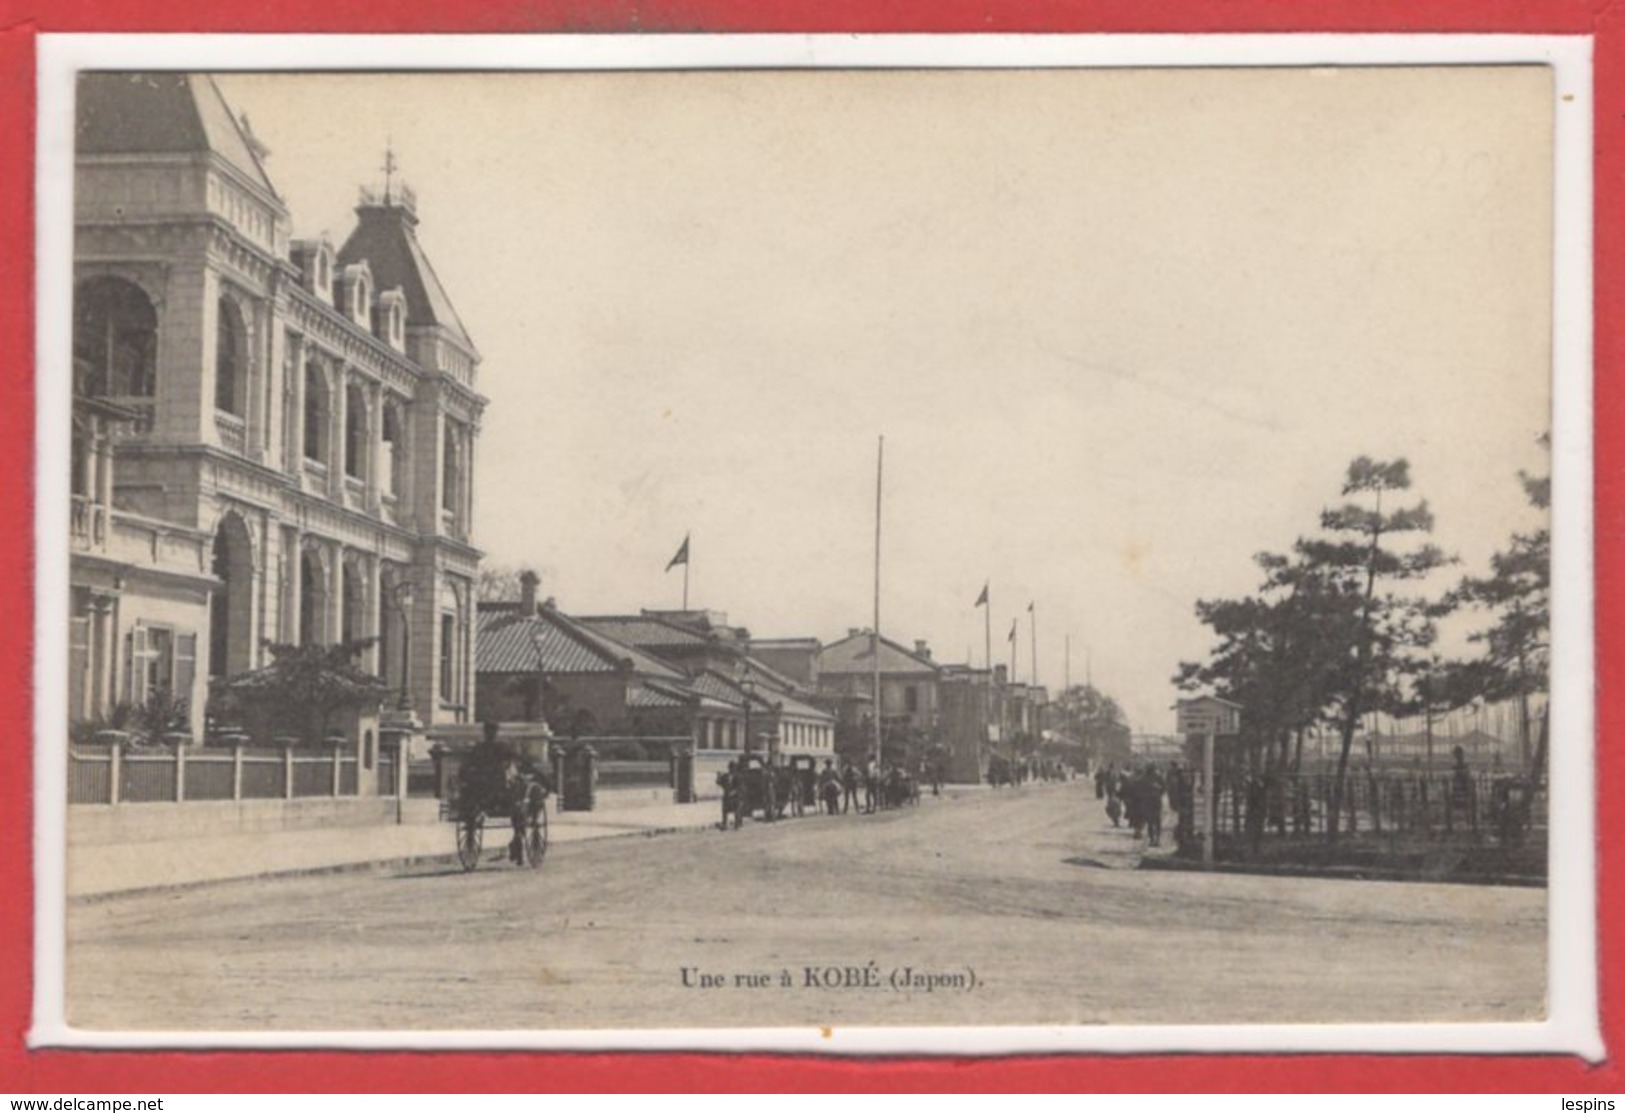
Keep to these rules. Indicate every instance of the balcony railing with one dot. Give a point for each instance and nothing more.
(233, 432)
(140, 425)
(87, 523)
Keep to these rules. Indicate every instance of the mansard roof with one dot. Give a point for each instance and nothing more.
(163, 113)
(385, 236)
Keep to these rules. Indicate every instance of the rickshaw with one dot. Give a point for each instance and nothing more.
(495, 785)
(803, 784)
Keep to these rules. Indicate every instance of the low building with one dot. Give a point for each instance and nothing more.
(908, 695)
(692, 641)
(796, 658)
(535, 663)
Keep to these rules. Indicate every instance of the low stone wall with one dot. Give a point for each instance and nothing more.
(103, 825)
(609, 799)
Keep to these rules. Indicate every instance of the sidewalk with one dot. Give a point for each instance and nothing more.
(95, 871)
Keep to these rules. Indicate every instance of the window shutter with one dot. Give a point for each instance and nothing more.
(135, 665)
(78, 664)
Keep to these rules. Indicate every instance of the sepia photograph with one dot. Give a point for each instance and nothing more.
(854, 547)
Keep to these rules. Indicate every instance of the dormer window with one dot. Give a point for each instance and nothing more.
(352, 293)
(314, 258)
(389, 319)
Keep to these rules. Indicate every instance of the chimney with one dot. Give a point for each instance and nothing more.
(853, 631)
(527, 592)
(921, 649)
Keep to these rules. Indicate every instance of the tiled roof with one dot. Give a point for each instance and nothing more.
(644, 631)
(552, 642)
(719, 687)
(510, 642)
(853, 654)
(162, 113)
(645, 697)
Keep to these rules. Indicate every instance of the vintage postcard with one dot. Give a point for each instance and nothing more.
(605, 549)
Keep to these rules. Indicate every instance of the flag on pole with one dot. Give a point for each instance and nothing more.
(681, 557)
(1029, 608)
(981, 600)
(1012, 636)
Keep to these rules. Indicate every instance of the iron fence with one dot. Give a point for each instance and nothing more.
(1459, 806)
(264, 776)
(210, 776)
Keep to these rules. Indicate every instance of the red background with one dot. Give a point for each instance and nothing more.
(22, 1071)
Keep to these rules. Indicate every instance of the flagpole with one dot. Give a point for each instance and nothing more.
(987, 632)
(880, 464)
(1015, 642)
(1034, 625)
(685, 584)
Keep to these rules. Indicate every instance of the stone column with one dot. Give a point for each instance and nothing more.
(335, 592)
(337, 426)
(373, 601)
(293, 437)
(293, 573)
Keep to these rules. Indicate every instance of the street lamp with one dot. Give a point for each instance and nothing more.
(403, 601)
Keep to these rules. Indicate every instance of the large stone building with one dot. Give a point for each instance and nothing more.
(274, 438)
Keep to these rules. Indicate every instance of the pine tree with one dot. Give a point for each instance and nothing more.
(1363, 557)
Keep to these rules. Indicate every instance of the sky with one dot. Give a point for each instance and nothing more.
(1120, 330)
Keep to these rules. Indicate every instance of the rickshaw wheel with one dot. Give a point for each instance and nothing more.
(470, 832)
(536, 838)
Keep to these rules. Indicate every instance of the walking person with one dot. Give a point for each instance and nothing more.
(1153, 805)
(849, 782)
(829, 788)
(729, 782)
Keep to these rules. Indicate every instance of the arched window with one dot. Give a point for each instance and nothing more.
(230, 355)
(318, 410)
(115, 340)
(355, 432)
(394, 449)
(352, 617)
(451, 467)
(231, 639)
(312, 598)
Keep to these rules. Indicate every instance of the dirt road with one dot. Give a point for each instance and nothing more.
(978, 908)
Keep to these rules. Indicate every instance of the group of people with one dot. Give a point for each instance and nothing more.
(836, 791)
(1005, 771)
(1135, 795)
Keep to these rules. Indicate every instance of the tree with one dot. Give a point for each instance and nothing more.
(302, 688)
(1517, 645)
(1388, 631)
(497, 583)
(1278, 653)
(1096, 720)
